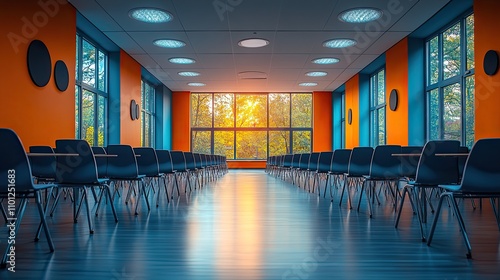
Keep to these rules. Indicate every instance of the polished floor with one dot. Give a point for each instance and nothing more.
(249, 225)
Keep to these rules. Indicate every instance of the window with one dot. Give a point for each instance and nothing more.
(342, 120)
(91, 92)
(377, 108)
(450, 82)
(251, 126)
(147, 114)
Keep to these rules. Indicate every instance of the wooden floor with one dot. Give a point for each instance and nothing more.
(249, 225)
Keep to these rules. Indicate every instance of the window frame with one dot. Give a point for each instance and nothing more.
(442, 83)
(80, 86)
(376, 107)
(290, 129)
(152, 114)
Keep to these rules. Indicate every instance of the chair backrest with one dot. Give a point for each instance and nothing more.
(179, 161)
(102, 162)
(409, 163)
(147, 162)
(340, 161)
(384, 165)
(80, 169)
(296, 160)
(164, 161)
(360, 161)
(461, 160)
(324, 162)
(124, 165)
(435, 170)
(313, 162)
(14, 163)
(304, 161)
(287, 161)
(190, 161)
(197, 160)
(43, 167)
(482, 167)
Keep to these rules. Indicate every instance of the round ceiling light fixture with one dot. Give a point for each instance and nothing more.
(360, 15)
(309, 84)
(253, 43)
(181, 60)
(169, 43)
(339, 43)
(150, 15)
(325, 60)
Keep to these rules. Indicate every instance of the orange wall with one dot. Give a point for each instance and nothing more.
(487, 95)
(396, 69)
(322, 121)
(130, 88)
(180, 121)
(352, 102)
(39, 115)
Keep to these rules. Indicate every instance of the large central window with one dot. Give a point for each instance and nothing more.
(251, 126)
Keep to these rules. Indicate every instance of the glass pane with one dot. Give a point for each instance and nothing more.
(469, 111)
(147, 129)
(251, 110)
(301, 110)
(451, 51)
(381, 87)
(88, 116)
(434, 115)
(279, 143)
(102, 71)
(251, 144)
(469, 26)
(201, 142)
(224, 110)
(433, 60)
(452, 112)
(201, 110)
(142, 118)
(101, 118)
(88, 63)
(374, 127)
(279, 110)
(77, 58)
(224, 143)
(381, 126)
(301, 142)
(77, 112)
(151, 96)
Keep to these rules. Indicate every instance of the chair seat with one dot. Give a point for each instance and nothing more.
(43, 186)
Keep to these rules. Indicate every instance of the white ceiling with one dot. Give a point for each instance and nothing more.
(296, 30)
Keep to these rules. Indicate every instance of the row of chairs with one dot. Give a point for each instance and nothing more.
(439, 168)
(101, 172)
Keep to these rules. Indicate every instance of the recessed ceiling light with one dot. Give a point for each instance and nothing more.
(360, 15)
(326, 60)
(308, 84)
(150, 15)
(316, 74)
(253, 43)
(339, 43)
(188, 74)
(196, 84)
(169, 43)
(181, 60)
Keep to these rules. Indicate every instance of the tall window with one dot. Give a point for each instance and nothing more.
(450, 82)
(251, 126)
(342, 120)
(377, 108)
(91, 92)
(147, 114)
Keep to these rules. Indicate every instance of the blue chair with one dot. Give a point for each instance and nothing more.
(302, 170)
(123, 169)
(80, 173)
(481, 179)
(359, 167)
(101, 162)
(432, 171)
(43, 168)
(312, 167)
(409, 163)
(179, 165)
(384, 169)
(15, 169)
(166, 168)
(338, 168)
(322, 169)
